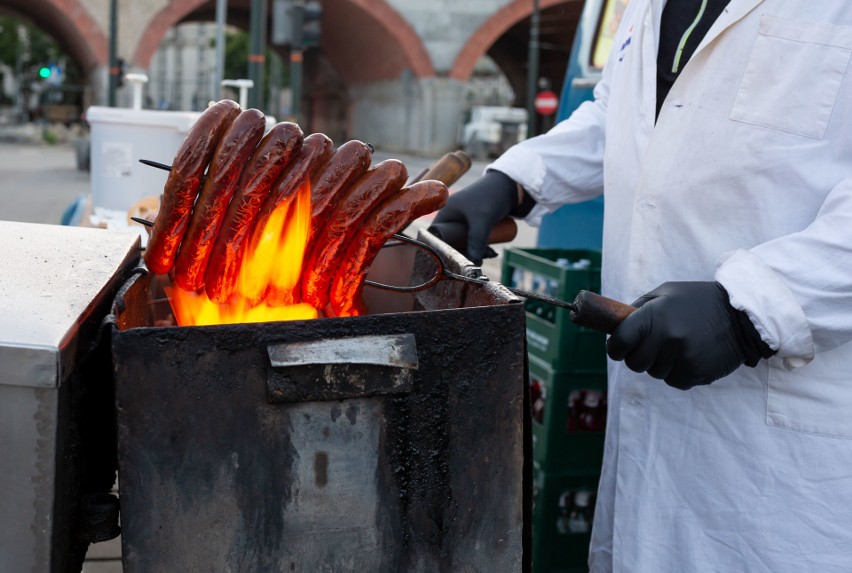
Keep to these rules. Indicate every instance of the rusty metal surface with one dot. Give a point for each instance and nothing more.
(215, 477)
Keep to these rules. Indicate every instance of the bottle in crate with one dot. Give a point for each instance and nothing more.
(551, 336)
(568, 419)
(563, 513)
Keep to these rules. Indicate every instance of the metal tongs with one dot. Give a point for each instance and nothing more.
(588, 309)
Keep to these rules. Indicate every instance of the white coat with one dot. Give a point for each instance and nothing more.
(746, 178)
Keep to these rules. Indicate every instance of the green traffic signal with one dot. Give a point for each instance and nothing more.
(44, 72)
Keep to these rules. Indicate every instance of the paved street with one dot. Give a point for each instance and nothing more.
(39, 182)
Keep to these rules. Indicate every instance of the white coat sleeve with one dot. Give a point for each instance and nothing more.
(797, 289)
(564, 165)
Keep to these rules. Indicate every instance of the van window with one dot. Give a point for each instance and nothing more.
(610, 18)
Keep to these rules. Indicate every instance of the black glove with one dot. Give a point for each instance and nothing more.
(478, 208)
(687, 333)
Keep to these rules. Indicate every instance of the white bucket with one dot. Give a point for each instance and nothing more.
(120, 138)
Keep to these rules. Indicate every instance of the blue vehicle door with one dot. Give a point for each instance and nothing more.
(580, 226)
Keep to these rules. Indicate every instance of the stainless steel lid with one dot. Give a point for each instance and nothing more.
(50, 276)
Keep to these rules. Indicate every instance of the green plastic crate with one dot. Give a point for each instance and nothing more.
(562, 516)
(567, 439)
(551, 335)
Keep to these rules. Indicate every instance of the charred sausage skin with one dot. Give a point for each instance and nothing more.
(184, 182)
(323, 258)
(274, 152)
(226, 166)
(389, 217)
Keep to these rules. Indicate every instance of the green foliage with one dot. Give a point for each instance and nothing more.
(237, 45)
(236, 55)
(34, 47)
(50, 136)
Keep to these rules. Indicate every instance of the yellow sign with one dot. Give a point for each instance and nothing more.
(608, 26)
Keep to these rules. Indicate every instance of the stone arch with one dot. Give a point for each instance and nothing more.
(485, 36)
(71, 25)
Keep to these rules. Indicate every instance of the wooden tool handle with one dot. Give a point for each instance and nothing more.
(598, 312)
(448, 169)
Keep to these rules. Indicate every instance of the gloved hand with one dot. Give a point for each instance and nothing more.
(479, 207)
(688, 334)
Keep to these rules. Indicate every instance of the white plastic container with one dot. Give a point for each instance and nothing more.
(120, 138)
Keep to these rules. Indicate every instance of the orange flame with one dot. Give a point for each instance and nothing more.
(267, 287)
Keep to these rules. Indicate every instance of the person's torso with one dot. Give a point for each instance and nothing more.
(748, 141)
(752, 136)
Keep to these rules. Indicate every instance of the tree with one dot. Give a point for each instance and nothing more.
(236, 57)
(33, 47)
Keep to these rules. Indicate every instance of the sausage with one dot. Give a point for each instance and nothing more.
(272, 155)
(322, 258)
(227, 164)
(316, 150)
(389, 217)
(348, 163)
(183, 184)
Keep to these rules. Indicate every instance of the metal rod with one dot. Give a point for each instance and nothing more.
(257, 52)
(112, 77)
(532, 69)
(219, 73)
(142, 221)
(156, 164)
(297, 56)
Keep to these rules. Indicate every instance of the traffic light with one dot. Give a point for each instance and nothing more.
(119, 78)
(311, 28)
(296, 23)
(44, 72)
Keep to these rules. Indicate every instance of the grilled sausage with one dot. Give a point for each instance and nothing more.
(183, 184)
(272, 155)
(389, 217)
(227, 164)
(348, 163)
(315, 151)
(322, 259)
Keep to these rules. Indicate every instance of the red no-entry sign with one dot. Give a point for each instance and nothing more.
(546, 102)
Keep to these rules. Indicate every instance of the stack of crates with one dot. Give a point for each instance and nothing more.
(568, 394)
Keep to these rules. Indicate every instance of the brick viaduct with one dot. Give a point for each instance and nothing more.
(402, 63)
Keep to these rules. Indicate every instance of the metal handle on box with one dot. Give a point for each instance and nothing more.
(341, 368)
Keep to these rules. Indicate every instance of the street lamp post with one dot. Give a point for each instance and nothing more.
(219, 74)
(112, 77)
(532, 70)
(257, 52)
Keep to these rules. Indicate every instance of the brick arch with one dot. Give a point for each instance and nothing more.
(71, 25)
(371, 41)
(485, 36)
(173, 13)
(351, 28)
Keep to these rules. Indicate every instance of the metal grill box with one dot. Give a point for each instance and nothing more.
(389, 442)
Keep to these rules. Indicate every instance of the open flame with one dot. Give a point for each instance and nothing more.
(267, 287)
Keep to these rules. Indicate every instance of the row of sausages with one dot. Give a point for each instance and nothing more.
(228, 178)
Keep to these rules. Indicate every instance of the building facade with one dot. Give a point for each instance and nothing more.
(398, 73)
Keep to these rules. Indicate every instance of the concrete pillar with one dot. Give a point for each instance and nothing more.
(408, 115)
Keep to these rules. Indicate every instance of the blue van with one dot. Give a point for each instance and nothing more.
(580, 226)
